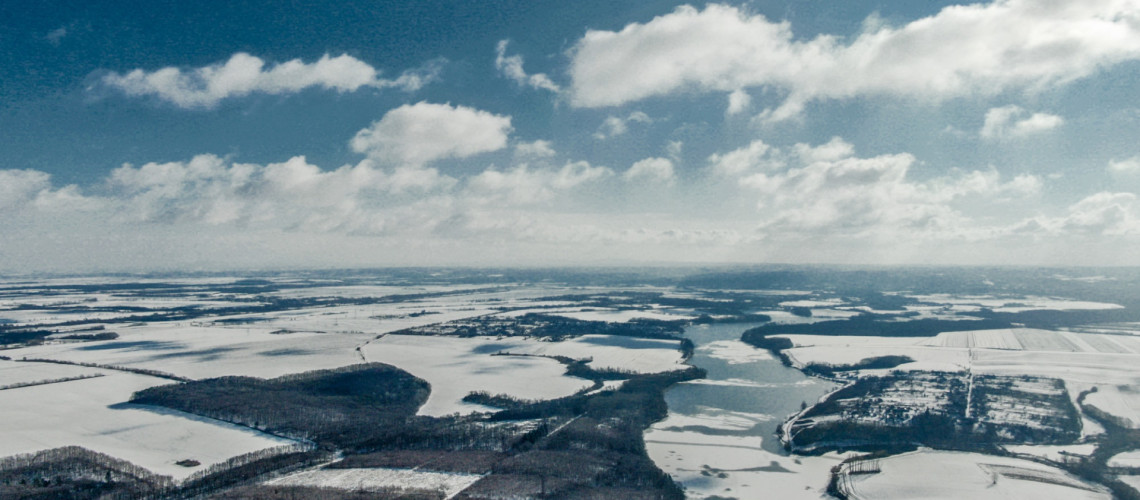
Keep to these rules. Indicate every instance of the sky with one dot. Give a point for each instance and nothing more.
(167, 135)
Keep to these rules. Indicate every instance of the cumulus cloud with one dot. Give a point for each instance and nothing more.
(1127, 167)
(244, 74)
(1101, 214)
(415, 134)
(961, 50)
(614, 126)
(658, 170)
(1011, 122)
(21, 189)
(536, 149)
(578, 172)
(828, 190)
(512, 67)
(738, 102)
(739, 161)
(523, 185)
(290, 195)
(19, 186)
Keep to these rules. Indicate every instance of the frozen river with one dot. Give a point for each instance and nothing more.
(719, 439)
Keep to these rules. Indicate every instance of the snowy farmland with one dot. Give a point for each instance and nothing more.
(1083, 360)
(519, 340)
(732, 466)
(456, 367)
(90, 413)
(630, 354)
(1056, 453)
(203, 352)
(955, 475)
(380, 479)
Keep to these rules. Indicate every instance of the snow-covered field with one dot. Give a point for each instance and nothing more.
(89, 413)
(955, 475)
(13, 372)
(1126, 459)
(711, 451)
(456, 367)
(845, 350)
(812, 303)
(733, 466)
(967, 303)
(377, 479)
(605, 314)
(1056, 453)
(1082, 360)
(1119, 400)
(204, 352)
(1133, 481)
(610, 352)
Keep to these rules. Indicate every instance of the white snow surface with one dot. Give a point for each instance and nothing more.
(87, 413)
(740, 466)
(1126, 459)
(13, 372)
(611, 315)
(447, 483)
(1012, 303)
(1082, 360)
(1133, 481)
(1056, 453)
(456, 367)
(1119, 400)
(734, 352)
(616, 352)
(955, 475)
(200, 352)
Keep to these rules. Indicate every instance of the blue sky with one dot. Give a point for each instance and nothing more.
(173, 135)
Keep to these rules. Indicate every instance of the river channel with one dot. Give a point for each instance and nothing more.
(719, 438)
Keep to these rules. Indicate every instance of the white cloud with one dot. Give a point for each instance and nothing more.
(575, 173)
(742, 160)
(1006, 122)
(512, 67)
(674, 148)
(1101, 214)
(658, 170)
(835, 149)
(415, 134)
(19, 186)
(244, 74)
(961, 50)
(614, 126)
(826, 190)
(290, 195)
(1125, 167)
(24, 189)
(208, 189)
(738, 102)
(523, 185)
(536, 149)
(55, 36)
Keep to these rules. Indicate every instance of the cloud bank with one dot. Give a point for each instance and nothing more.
(1021, 45)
